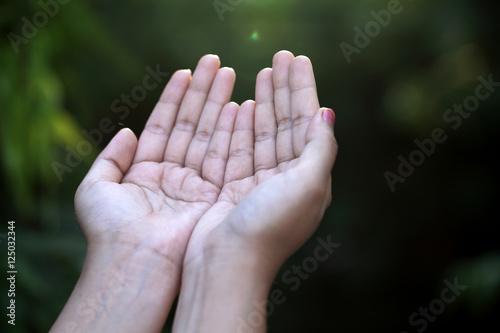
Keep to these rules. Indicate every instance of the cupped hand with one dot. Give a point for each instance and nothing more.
(150, 194)
(277, 185)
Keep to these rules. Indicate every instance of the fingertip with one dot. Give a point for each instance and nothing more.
(124, 138)
(265, 73)
(127, 129)
(116, 158)
(302, 58)
(178, 81)
(321, 124)
(246, 113)
(182, 73)
(282, 55)
(328, 116)
(264, 87)
(227, 71)
(301, 61)
(231, 107)
(321, 146)
(210, 55)
(210, 58)
(248, 104)
(130, 133)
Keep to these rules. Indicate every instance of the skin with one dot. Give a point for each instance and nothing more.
(213, 193)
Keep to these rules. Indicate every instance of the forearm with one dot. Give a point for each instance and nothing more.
(120, 290)
(225, 294)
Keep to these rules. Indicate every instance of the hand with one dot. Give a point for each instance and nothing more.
(140, 201)
(275, 190)
(276, 185)
(152, 193)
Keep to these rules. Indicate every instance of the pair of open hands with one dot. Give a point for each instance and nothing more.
(208, 176)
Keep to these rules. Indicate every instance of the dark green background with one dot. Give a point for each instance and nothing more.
(396, 248)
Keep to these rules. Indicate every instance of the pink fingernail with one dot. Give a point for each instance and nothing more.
(329, 117)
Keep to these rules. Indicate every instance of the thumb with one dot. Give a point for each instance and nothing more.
(115, 160)
(321, 146)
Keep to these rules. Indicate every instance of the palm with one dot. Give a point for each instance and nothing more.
(157, 210)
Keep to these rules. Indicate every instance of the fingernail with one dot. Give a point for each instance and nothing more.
(329, 117)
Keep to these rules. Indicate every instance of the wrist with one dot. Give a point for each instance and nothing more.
(225, 248)
(122, 289)
(225, 291)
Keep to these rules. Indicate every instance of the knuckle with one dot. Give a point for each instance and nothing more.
(184, 125)
(203, 135)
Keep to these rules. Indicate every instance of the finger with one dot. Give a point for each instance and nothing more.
(214, 164)
(284, 142)
(265, 122)
(321, 147)
(303, 99)
(240, 162)
(115, 160)
(219, 95)
(190, 110)
(155, 136)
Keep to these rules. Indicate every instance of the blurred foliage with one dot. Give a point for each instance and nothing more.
(396, 248)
